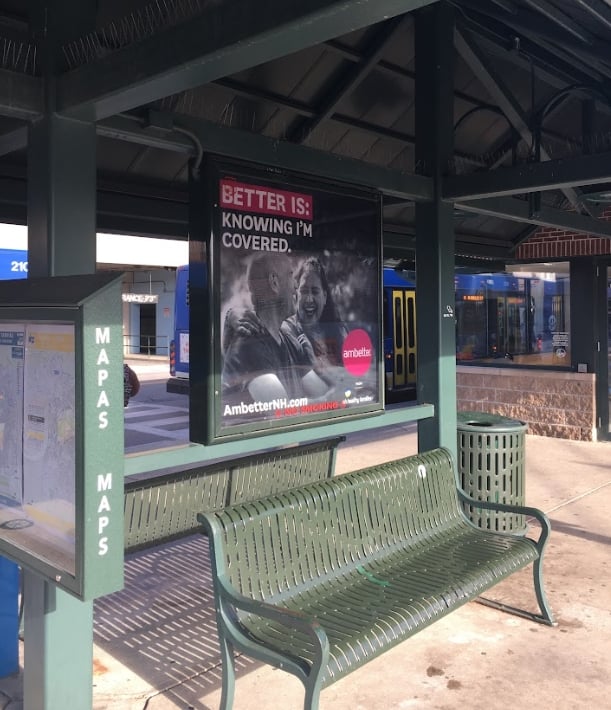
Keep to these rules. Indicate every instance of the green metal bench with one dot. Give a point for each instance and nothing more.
(164, 508)
(321, 579)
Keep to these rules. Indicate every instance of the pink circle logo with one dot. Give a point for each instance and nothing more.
(357, 352)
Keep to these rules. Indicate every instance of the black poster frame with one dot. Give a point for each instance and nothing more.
(248, 219)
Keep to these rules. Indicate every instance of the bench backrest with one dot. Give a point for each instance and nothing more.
(165, 507)
(274, 547)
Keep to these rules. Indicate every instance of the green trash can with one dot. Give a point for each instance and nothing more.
(491, 453)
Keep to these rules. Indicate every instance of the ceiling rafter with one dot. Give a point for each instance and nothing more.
(553, 68)
(560, 19)
(505, 145)
(601, 11)
(506, 5)
(299, 107)
(336, 93)
(223, 40)
(524, 235)
(499, 41)
(476, 60)
(538, 30)
(397, 71)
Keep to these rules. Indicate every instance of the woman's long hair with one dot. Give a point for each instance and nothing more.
(333, 329)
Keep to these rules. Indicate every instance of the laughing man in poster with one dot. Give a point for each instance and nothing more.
(261, 365)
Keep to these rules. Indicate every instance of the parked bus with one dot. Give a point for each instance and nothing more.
(499, 315)
(13, 264)
(399, 329)
(179, 345)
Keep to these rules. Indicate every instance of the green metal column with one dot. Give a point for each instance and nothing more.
(583, 304)
(435, 242)
(58, 648)
(588, 334)
(58, 629)
(61, 197)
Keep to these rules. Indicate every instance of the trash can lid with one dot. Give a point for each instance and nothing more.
(485, 422)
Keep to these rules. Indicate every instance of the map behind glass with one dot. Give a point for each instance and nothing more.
(11, 411)
(37, 442)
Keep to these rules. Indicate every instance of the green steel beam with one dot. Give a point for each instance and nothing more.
(224, 39)
(13, 141)
(529, 177)
(519, 211)
(131, 129)
(21, 95)
(232, 142)
(195, 454)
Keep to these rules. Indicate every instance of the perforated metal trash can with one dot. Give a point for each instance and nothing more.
(491, 453)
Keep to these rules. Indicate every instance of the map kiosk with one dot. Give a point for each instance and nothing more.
(61, 430)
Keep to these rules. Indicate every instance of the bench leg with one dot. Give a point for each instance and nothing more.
(546, 612)
(228, 665)
(312, 696)
(545, 617)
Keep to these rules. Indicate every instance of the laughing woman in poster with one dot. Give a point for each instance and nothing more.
(316, 324)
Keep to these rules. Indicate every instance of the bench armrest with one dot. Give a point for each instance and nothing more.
(230, 601)
(528, 511)
(290, 618)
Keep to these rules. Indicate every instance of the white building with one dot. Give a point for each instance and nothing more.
(149, 267)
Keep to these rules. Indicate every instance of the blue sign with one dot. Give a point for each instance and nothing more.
(13, 264)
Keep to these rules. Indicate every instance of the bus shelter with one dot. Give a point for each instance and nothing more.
(467, 125)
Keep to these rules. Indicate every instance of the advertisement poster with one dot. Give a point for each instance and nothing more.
(297, 270)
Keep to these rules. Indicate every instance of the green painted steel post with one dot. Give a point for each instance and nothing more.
(58, 649)
(58, 629)
(61, 197)
(435, 240)
(587, 340)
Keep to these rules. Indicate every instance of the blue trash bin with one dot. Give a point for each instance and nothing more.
(9, 617)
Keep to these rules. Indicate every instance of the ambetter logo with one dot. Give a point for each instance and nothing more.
(357, 352)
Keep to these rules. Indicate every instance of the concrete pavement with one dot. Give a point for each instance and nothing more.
(156, 649)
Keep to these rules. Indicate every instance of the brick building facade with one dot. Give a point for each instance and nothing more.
(558, 243)
(553, 404)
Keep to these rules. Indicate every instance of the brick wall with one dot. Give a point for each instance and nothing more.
(556, 243)
(556, 404)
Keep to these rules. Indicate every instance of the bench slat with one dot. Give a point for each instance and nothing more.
(164, 508)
